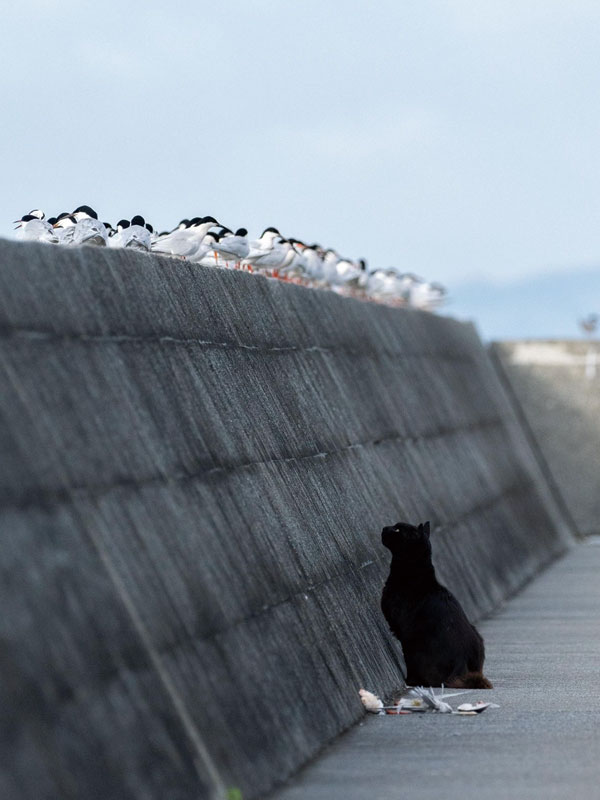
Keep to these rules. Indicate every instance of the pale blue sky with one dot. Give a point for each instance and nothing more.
(459, 140)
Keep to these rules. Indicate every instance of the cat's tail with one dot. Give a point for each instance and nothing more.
(470, 680)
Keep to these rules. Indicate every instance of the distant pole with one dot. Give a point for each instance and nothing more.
(589, 326)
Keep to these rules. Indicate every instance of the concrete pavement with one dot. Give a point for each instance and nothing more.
(543, 743)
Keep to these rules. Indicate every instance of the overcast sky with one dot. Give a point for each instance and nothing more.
(459, 140)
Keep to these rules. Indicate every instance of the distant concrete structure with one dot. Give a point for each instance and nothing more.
(196, 466)
(556, 384)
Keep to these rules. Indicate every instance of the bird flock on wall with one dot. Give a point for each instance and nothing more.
(203, 240)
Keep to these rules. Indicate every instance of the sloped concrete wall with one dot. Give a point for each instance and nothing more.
(196, 468)
(556, 384)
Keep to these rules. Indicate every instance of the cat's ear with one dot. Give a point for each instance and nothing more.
(426, 529)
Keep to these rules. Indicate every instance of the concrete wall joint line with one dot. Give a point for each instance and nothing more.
(374, 561)
(518, 487)
(33, 335)
(203, 755)
(41, 496)
(258, 612)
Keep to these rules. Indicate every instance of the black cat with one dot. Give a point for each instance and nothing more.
(439, 643)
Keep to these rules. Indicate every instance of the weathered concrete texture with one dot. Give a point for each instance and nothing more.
(557, 386)
(541, 744)
(196, 468)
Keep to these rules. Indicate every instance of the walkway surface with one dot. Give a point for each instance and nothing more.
(543, 655)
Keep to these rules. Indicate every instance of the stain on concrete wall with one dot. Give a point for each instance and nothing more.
(196, 468)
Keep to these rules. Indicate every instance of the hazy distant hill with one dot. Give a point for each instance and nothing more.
(544, 306)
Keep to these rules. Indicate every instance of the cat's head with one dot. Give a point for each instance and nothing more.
(407, 541)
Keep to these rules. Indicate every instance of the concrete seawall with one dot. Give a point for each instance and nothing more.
(556, 385)
(196, 468)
